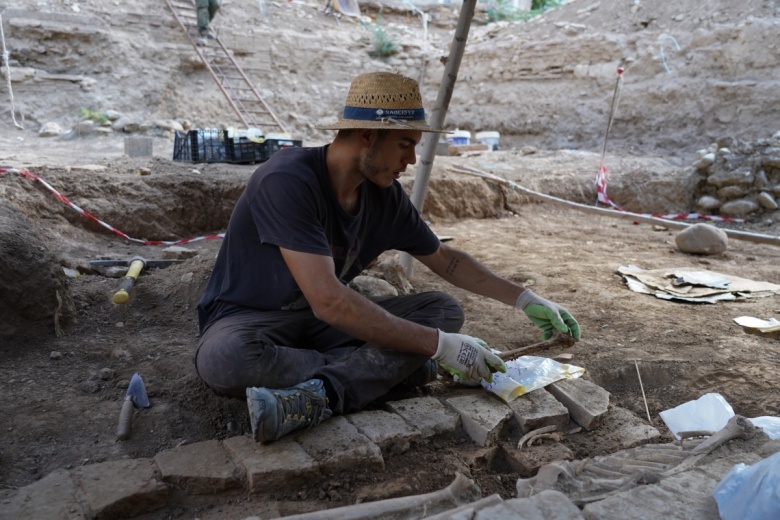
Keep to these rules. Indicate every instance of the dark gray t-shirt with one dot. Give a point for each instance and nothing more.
(289, 203)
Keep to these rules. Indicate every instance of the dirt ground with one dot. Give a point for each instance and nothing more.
(61, 395)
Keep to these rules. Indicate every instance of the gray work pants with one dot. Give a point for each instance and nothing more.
(279, 349)
(207, 10)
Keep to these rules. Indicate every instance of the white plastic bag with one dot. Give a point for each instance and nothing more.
(709, 412)
(770, 425)
(528, 373)
(750, 492)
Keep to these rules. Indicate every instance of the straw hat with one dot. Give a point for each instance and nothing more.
(383, 100)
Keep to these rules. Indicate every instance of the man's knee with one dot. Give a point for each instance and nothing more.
(453, 316)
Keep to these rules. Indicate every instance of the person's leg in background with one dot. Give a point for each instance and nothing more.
(207, 10)
(214, 6)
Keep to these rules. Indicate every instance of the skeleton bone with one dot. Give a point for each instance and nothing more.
(461, 491)
(558, 340)
(736, 428)
(534, 433)
(468, 509)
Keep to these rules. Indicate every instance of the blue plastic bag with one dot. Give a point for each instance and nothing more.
(750, 492)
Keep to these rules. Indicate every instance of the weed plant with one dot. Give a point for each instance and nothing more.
(383, 43)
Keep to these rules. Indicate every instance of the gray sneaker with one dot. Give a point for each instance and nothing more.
(275, 413)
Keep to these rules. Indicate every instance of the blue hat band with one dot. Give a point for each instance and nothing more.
(377, 114)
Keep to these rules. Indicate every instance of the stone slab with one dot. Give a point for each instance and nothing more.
(54, 496)
(537, 409)
(587, 402)
(337, 446)
(683, 496)
(427, 414)
(483, 416)
(386, 430)
(547, 505)
(718, 469)
(275, 467)
(201, 468)
(625, 429)
(121, 488)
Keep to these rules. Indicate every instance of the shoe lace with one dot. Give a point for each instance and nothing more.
(303, 406)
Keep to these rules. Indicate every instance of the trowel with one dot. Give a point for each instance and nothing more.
(134, 398)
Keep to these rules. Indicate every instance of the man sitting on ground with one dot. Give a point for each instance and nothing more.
(278, 323)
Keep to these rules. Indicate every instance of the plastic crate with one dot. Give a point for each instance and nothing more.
(200, 146)
(242, 151)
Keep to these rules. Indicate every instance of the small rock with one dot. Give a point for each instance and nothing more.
(373, 288)
(703, 239)
(106, 374)
(767, 201)
(119, 324)
(708, 202)
(89, 387)
(121, 353)
(55, 355)
(178, 253)
(50, 129)
(739, 207)
(144, 171)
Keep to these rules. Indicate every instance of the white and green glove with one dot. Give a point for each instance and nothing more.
(547, 315)
(468, 358)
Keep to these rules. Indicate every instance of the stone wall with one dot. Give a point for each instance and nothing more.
(738, 179)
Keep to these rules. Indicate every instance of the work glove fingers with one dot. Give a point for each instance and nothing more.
(543, 314)
(574, 327)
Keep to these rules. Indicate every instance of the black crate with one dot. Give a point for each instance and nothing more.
(242, 151)
(200, 146)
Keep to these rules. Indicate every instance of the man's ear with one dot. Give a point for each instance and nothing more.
(366, 136)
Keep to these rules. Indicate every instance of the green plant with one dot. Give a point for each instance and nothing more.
(383, 43)
(97, 117)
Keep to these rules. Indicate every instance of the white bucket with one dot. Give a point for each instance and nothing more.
(459, 137)
(489, 138)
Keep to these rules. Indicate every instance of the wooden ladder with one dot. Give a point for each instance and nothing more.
(231, 80)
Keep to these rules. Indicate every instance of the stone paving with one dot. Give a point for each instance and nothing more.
(128, 488)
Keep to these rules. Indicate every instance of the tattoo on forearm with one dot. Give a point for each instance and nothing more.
(452, 266)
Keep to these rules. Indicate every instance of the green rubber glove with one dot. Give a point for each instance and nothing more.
(466, 357)
(547, 315)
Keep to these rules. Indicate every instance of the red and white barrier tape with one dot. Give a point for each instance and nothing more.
(601, 192)
(105, 225)
(601, 177)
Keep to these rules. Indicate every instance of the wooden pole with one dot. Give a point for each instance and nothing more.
(446, 88)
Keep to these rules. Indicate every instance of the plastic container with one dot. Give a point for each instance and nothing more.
(489, 138)
(200, 146)
(459, 137)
